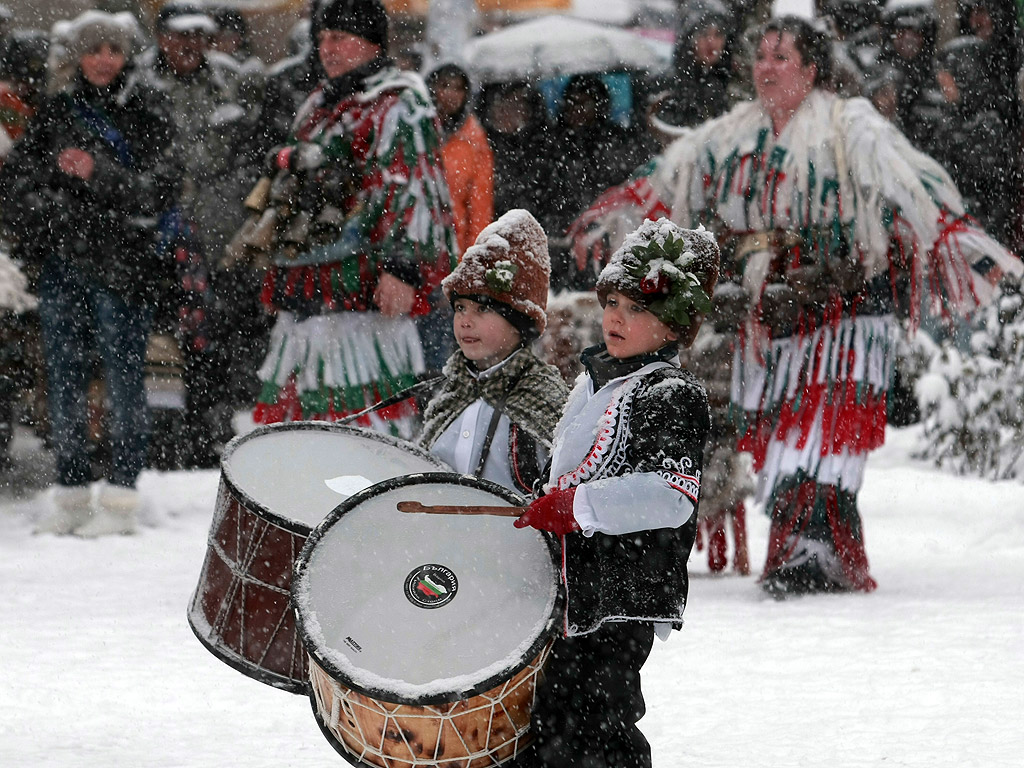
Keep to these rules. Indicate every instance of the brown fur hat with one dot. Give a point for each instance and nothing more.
(508, 265)
(669, 270)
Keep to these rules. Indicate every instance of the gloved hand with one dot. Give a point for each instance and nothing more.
(302, 157)
(551, 512)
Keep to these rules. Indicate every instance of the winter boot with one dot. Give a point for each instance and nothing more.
(69, 509)
(115, 512)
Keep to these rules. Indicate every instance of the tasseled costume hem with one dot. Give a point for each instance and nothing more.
(280, 404)
(330, 366)
(816, 402)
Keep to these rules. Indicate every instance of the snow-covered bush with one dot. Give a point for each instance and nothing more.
(972, 404)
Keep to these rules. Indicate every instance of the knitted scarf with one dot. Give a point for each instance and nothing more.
(534, 404)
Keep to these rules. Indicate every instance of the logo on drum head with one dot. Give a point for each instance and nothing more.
(431, 586)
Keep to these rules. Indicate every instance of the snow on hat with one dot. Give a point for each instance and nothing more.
(91, 29)
(668, 270)
(508, 266)
(364, 18)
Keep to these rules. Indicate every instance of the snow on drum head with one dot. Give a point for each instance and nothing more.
(426, 632)
(277, 482)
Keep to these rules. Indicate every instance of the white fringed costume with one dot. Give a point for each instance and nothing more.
(838, 183)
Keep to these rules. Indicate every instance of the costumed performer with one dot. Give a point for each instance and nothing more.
(622, 493)
(357, 227)
(494, 415)
(829, 221)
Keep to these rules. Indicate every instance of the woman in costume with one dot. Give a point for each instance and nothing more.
(829, 221)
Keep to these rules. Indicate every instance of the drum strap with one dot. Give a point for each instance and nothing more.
(414, 391)
(492, 426)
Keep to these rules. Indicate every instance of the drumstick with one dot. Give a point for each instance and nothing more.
(443, 509)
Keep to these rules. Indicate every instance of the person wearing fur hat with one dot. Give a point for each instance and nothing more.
(622, 493)
(81, 193)
(496, 392)
(361, 234)
(211, 124)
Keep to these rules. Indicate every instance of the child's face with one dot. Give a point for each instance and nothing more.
(630, 330)
(484, 336)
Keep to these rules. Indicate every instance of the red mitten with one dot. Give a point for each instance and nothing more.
(551, 512)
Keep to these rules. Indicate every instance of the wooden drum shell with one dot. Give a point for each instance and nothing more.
(482, 731)
(241, 609)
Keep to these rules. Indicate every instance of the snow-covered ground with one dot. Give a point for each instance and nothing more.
(99, 668)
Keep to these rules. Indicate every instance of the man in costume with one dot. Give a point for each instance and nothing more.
(357, 229)
(829, 219)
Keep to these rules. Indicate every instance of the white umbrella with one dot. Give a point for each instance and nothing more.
(551, 46)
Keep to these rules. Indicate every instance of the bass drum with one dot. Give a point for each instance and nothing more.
(427, 633)
(277, 482)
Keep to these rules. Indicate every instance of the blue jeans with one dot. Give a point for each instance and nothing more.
(76, 314)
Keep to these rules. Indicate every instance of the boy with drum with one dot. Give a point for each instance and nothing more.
(622, 493)
(495, 413)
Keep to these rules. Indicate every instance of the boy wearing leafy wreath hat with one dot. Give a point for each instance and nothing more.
(496, 410)
(622, 493)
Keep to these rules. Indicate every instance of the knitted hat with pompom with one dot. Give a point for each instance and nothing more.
(668, 270)
(508, 268)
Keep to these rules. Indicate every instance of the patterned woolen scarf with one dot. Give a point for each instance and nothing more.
(535, 404)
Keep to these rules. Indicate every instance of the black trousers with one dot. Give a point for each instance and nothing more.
(588, 705)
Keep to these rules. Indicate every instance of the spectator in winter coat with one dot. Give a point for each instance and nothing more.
(908, 45)
(468, 160)
(515, 119)
(82, 193)
(972, 139)
(589, 153)
(992, 22)
(210, 124)
(232, 35)
(469, 170)
(622, 493)
(702, 85)
(496, 411)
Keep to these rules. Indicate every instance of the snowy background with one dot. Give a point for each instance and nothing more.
(99, 667)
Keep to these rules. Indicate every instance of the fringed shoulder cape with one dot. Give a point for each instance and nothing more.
(331, 352)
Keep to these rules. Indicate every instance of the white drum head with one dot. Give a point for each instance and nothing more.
(425, 608)
(300, 471)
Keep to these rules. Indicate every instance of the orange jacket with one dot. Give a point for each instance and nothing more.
(469, 170)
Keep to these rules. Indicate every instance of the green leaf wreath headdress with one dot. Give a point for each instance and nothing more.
(664, 267)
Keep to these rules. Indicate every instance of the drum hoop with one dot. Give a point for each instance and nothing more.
(422, 478)
(294, 526)
(333, 740)
(246, 667)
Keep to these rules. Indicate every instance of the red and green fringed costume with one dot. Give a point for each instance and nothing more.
(842, 191)
(331, 352)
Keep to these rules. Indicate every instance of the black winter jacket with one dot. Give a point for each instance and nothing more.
(658, 430)
(102, 230)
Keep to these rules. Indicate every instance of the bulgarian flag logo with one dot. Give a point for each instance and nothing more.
(431, 586)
